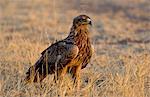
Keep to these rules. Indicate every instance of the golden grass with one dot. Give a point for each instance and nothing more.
(120, 66)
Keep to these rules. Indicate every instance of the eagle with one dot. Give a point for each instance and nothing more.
(70, 54)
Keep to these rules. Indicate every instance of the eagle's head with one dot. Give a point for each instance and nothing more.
(82, 20)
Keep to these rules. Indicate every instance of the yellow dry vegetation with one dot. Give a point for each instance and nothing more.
(120, 66)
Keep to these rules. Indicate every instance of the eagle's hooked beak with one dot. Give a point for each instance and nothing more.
(89, 21)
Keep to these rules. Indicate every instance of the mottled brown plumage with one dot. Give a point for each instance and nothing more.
(73, 53)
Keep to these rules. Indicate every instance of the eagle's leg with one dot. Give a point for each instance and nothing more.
(64, 71)
(60, 74)
(76, 75)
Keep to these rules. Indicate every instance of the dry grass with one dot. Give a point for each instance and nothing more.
(120, 66)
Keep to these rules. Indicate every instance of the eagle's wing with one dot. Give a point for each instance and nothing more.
(58, 54)
(61, 52)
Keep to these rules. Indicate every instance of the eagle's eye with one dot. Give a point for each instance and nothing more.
(80, 20)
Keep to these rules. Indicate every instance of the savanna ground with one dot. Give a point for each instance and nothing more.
(120, 66)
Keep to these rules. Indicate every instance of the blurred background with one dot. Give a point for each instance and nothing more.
(120, 35)
(115, 17)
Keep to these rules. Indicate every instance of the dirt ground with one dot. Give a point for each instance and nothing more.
(120, 66)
